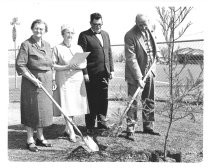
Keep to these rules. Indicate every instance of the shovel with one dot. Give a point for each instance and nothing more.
(117, 128)
(91, 146)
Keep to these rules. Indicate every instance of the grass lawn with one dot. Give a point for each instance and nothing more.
(118, 86)
(186, 137)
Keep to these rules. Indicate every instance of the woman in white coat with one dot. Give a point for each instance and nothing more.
(70, 92)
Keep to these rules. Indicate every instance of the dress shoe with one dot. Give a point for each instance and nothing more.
(42, 143)
(103, 126)
(151, 132)
(103, 123)
(130, 136)
(32, 147)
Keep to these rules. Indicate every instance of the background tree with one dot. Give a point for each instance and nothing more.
(177, 105)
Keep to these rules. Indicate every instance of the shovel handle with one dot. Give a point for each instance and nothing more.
(92, 147)
(58, 106)
(62, 111)
(138, 90)
(132, 99)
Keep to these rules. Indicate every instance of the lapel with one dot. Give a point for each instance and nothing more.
(153, 41)
(141, 41)
(96, 38)
(99, 40)
(139, 38)
(38, 48)
(103, 37)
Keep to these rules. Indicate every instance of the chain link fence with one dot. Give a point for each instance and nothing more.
(188, 56)
(187, 59)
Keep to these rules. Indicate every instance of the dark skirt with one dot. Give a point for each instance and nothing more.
(36, 106)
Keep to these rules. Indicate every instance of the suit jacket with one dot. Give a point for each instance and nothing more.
(135, 54)
(100, 59)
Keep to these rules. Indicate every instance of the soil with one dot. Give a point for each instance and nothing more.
(185, 143)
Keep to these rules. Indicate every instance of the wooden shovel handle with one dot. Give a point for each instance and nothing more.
(62, 111)
(138, 90)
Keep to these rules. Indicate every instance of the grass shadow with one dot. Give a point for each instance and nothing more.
(82, 129)
(17, 135)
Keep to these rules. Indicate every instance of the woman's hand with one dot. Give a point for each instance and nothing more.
(78, 66)
(73, 66)
(37, 82)
(32, 78)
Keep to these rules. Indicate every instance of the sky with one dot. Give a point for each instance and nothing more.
(118, 17)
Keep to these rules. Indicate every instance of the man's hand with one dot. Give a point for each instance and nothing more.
(111, 76)
(54, 86)
(86, 77)
(141, 83)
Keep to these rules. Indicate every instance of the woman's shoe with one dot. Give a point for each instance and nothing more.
(42, 143)
(66, 135)
(73, 139)
(32, 147)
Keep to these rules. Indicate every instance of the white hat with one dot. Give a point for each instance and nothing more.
(66, 26)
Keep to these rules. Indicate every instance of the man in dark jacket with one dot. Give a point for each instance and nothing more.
(98, 72)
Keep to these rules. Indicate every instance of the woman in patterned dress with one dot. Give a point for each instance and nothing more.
(34, 63)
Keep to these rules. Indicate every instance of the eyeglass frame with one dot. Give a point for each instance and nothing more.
(96, 24)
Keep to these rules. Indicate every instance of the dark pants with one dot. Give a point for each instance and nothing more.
(97, 93)
(147, 99)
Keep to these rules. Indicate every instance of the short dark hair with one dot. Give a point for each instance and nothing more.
(95, 16)
(39, 21)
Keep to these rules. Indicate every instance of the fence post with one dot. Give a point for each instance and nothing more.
(15, 70)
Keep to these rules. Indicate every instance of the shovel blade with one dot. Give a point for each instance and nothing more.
(93, 147)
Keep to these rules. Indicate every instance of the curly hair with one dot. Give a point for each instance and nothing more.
(39, 21)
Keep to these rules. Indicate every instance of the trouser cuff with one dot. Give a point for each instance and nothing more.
(131, 125)
(148, 125)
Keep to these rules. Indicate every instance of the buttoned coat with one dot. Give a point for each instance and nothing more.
(36, 107)
(100, 56)
(135, 54)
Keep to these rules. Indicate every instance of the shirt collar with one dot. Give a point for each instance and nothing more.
(95, 32)
(34, 44)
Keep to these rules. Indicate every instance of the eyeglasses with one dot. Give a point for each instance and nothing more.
(36, 28)
(68, 32)
(142, 26)
(97, 24)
